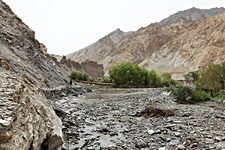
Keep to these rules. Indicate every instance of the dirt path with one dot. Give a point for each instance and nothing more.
(105, 119)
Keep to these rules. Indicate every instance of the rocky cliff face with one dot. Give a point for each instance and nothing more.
(23, 52)
(26, 119)
(92, 68)
(183, 42)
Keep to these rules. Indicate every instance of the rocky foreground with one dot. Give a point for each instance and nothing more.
(107, 119)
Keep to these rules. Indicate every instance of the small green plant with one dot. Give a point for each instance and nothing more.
(220, 95)
(105, 79)
(200, 96)
(75, 75)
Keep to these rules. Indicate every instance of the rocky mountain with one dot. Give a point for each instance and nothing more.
(27, 121)
(183, 42)
(190, 15)
(102, 48)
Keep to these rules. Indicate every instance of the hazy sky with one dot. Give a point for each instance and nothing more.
(65, 26)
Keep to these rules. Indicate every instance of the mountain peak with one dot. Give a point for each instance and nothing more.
(117, 31)
(192, 14)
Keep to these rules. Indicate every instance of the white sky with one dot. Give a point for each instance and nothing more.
(65, 26)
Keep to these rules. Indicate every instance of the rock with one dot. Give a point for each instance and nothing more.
(4, 122)
(187, 114)
(181, 147)
(162, 148)
(174, 142)
(218, 138)
(221, 144)
(151, 132)
(113, 134)
(209, 141)
(5, 136)
(177, 134)
(220, 116)
(36, 123)
(141, 144)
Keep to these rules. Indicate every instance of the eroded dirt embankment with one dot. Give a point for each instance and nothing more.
(107, 119)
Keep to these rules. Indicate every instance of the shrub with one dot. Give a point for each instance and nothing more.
(167, 79)
(75, 75)
(85, 77)
(185, 94)
(182, 93)
(200, 96)
(105, 79)
(192, 76)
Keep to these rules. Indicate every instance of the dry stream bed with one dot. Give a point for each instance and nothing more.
(107, 119)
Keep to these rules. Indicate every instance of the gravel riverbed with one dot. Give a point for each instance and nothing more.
(105, 119)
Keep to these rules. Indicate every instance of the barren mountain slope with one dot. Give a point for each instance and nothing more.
(177, 44)
(178, 48)
(102, 48)
(192, 14)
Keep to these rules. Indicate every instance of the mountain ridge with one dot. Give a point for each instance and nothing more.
(150, 46)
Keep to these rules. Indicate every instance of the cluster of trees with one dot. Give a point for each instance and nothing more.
(208, 83)
(132, 75)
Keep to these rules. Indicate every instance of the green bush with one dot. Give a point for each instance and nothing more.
(105, 79)
(182, 93)
(192, 76)
(75, 75)
(166, 79)
(185, 94)
(200, 96)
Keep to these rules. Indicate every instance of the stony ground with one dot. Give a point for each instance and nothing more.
(105, 119)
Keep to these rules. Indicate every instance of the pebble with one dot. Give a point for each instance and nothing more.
(221, 144)
(181, 147)
(174, 142)
(162, 148)
(4, 122)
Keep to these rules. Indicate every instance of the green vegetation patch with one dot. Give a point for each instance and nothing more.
(76, 75)
(132, 75)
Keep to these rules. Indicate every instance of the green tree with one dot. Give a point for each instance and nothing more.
(212, 77)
